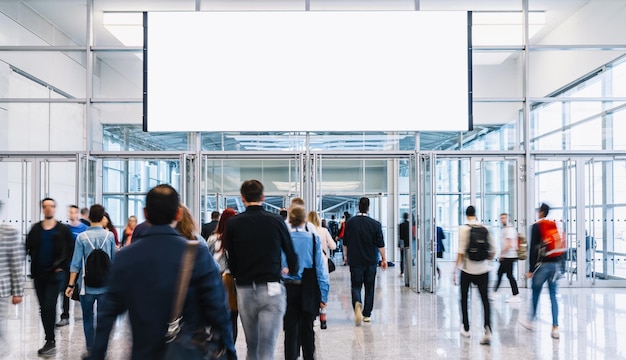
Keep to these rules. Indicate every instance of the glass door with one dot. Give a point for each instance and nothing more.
(426, 223)
(601, 252)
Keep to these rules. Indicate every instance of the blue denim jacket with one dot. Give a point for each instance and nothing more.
(100, 238)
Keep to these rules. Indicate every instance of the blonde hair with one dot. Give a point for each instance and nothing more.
(297, 215)
(187, 225)
(314, 218)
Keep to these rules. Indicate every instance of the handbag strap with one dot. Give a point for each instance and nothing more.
(313, 240)
(184, 276)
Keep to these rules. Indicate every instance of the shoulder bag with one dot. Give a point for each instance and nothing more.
(311, 294)
(187, 344)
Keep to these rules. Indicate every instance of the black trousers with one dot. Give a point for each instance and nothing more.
(298, 326)
(66, 301)
(506, 267)
(481, 281)
(47, 288)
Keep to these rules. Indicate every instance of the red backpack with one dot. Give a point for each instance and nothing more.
(553, 242)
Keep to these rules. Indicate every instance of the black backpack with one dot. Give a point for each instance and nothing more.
(478, 248)
(97, 265)
(334, 228)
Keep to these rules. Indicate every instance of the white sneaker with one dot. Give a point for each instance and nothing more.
(555, 332)
(527, 324)
(486, 340)
(515, 299)
(358, 314)
(465, 333)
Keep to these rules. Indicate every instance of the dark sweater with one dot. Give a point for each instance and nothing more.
(363, 237)
(254, 240)
(62, 247)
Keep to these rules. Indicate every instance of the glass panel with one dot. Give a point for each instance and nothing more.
(39, 23)
(118, 75)
(497, 74)
(43, 74)
(619, 129)
(375, 176)
(571, 64)
(42, 127)
(16, 178)
(603, 17)
(59, 182)
(131, 137)
(342, 177)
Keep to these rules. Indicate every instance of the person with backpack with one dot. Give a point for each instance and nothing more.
(93, 253)
(545, 254)
(476, 249)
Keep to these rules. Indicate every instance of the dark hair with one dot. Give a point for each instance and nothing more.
(283, 213)
(405, 216)
(364, 204)
(252, 190)
(470, 211)
(96, 213)
(162, 203)
(332, 217)
(73, 207)
(48, 199)
(215, 215)
(110, 225)
(544, 208)
(297, 215)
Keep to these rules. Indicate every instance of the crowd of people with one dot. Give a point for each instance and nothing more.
(270, 272)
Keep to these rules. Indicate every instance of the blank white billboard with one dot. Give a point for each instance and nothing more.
(307, 71)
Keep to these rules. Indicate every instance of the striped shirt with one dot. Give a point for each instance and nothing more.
(12, 262)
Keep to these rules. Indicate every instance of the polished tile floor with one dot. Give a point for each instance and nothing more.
(405, 325)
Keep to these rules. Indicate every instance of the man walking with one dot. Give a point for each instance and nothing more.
(542, 269)
(476, 249)
(76, 227)
(255, 240)
(508, 257)
(405, 234)
(363, 241)
(49, 244)
(208, 228)
(143, 280)
(95, 237)
(12, 258)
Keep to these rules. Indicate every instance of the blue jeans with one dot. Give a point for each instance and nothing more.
(549, 272)
(86, 303)
(363, 275)
(261, 317)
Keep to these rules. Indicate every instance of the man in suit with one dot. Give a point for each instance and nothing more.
(208, 228)
(12, 258)
(143, 280)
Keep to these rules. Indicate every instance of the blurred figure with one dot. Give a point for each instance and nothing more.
(283, 213)
(12, 257)
(108, 224)
(50, 245)
(220, 254)
(142, 280)
(298, 321)
(508, 257)
(208, 228)
(403, 242)
(76, 227)
(187, 226)
(128, 230)
(84, 216)
(325, 238)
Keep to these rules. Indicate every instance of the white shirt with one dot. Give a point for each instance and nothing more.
(470, 266)
(508, 232)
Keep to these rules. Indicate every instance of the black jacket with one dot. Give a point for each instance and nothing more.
(254, 240)
(62, 243)
(363, 237)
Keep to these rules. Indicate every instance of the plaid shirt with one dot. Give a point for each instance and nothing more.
(12, 257)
